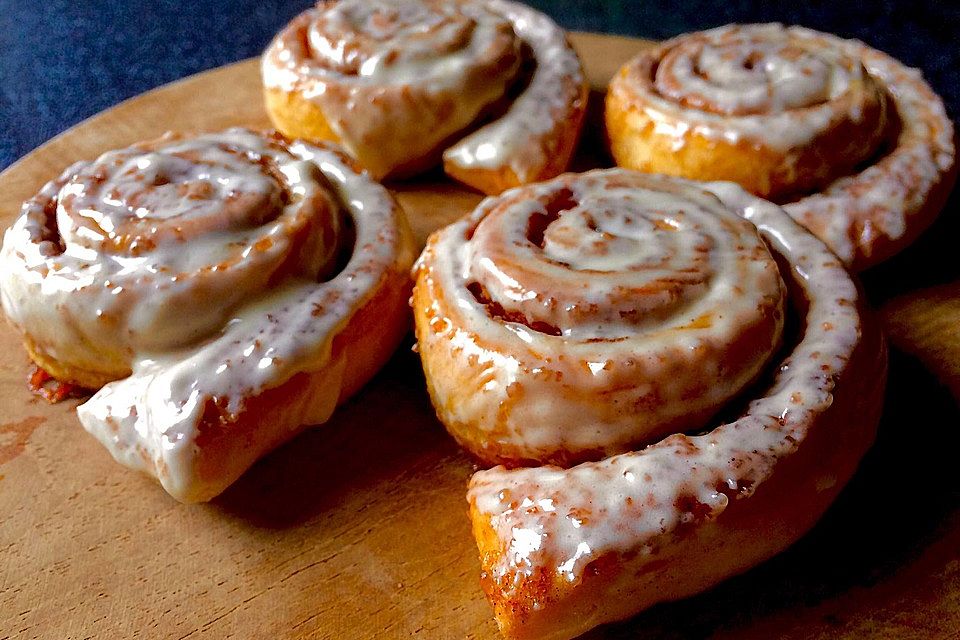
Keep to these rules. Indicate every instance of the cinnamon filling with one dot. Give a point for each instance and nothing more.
(559, 202)
(496, 310)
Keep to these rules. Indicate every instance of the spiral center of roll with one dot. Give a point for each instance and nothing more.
(584, 262)
(607, 234)
(137, 198)
(733, 73)
(364, 38)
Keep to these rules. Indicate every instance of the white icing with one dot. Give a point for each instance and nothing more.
(882, 200)
(761, 71)
(397, 79)
(554, 93)
(593, 508)
(652, 291)
(762, 83)
(215, 298)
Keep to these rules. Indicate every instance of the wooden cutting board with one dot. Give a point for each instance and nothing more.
(358, 529)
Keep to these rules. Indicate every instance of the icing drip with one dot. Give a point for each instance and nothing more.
(553, 95)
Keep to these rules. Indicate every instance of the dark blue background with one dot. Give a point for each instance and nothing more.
(65, 60)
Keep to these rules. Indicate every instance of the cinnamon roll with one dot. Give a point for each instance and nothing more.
(855, 144)
(493, 87)
(688, 376)
(220, 291)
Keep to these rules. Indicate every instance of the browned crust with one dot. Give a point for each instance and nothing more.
(65, 372)
(230, 443)
(451, 380)
(486, 424)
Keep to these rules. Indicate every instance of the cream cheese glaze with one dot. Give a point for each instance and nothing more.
(198, 273)
(548, 525)
(398, 80)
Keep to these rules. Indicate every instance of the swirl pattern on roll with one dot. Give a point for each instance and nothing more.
(856, 142)
(607, 285)
(398, 82)
(741, 72)
(190, 275)
(565, 549)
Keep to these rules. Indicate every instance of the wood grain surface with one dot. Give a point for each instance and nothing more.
(358, 529)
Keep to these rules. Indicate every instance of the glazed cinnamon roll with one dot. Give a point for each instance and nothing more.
(220, 291)
(857, 146)
(704, 359)
(491, 86)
